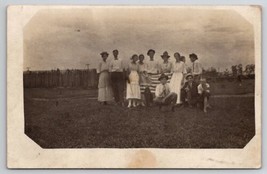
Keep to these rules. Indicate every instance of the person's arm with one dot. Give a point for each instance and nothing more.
(207, 87)
(158, 91)
(184, 69)
(170, 67)
(145, 67)
(185, 87)
(199, 68)
(128, 71)
(199, 89)
(158, 67)
(98, 70)
(110, 66)
(121, 64)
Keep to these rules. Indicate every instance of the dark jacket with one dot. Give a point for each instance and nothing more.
(192, 88)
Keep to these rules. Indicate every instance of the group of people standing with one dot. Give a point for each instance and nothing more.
(149, 82)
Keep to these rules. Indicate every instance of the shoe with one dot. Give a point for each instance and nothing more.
(129, 106)
(178, 105)
(205, 110)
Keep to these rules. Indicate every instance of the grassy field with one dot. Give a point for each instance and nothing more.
(72, 118)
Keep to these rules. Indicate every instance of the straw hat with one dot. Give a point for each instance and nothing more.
(104, 53)
(163, 76)
(165, 54)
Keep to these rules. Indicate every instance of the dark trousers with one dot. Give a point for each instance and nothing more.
(169, 99)
(189, 97)
(117, 81)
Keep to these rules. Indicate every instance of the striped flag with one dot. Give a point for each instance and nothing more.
(154, 78)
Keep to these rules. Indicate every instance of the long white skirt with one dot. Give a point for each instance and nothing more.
(175, 85)
(133, 88)
(105, 92)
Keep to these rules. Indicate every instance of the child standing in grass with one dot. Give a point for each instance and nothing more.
(204, 93)
(133, 93)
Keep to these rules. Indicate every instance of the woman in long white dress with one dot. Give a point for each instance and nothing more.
(178, 70)
(104, 85)
(133, 93)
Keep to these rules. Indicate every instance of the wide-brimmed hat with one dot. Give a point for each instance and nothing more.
(165, 54)
(103, 53)
(150, 50)
(193, 55)
(188, 75)
(163, 76)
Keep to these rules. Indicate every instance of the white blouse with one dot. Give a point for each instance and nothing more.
(142, 67)
(196, 68)
(102, 66)
(116, 65)
(200, 88)
(178, 67)
(165, 67)
(162, 90)
(152, 66)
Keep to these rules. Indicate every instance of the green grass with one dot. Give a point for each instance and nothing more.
(67, 121)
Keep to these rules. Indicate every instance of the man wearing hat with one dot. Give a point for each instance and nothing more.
(189, 92)
(196, 67)
(163, 94)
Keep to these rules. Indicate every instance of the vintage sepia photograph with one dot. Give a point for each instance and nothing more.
(140, 77)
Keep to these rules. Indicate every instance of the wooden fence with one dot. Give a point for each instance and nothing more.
(57, 78)
(86, 78)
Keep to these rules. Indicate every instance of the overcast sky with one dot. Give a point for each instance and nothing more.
(71, 38)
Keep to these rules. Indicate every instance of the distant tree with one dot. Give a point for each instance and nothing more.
(240, 69)
(226, 72)
(234, 70)
(210, 72)
(250, 69)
